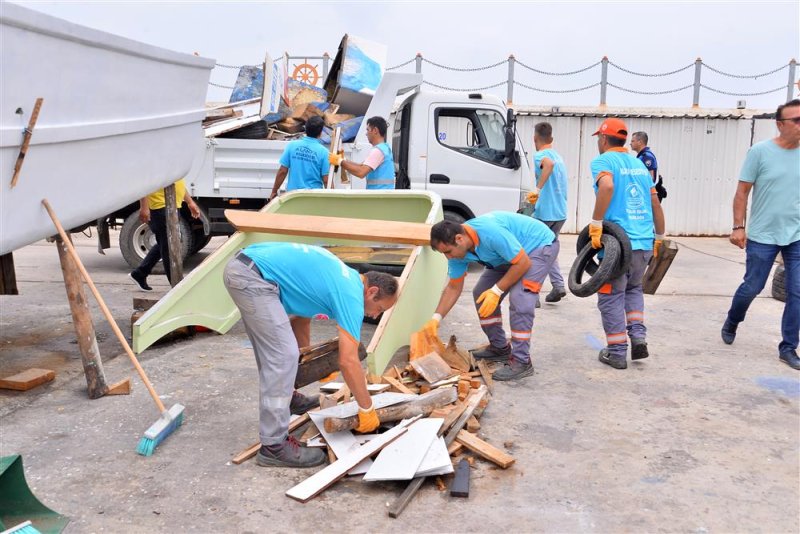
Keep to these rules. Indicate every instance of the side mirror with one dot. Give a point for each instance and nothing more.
(511, 154)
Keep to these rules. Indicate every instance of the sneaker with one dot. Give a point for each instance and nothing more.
(639, 349)
(728, 332)
(140, 280)
(300, 404)
(790, 358)
(492, 354)
(289, 454)
(513, 370)
(617, 362)
(556, 294)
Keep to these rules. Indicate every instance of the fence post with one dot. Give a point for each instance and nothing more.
(604, 81)
(418, 59)
(698, 66)
(792, 67)
(325, 59)
(511, 62)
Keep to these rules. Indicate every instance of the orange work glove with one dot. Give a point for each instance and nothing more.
(490, 299)
(596, 232)
(533, 196)
(657, 244)
(367, 420)
(335, 159)
(431, 328)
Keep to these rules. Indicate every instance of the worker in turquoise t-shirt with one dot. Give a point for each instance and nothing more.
(624, 194)
(549, 196)
(268, 282)
(772, 171)
(517, 252)
(305, 161)
(378, 168)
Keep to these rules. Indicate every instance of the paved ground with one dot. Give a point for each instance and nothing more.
(701, 437)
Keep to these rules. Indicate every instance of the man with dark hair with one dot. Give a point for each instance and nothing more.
(304, 160)
(772, 171)
(643, 152)
(517, 252)
(269, 281)
(621, 185)
(549, 196)
(378, 168)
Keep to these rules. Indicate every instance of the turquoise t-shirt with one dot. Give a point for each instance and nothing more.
(552, 203)
(307, 161)
(630, 207)
(775, 209)
(500, 238)
(312, 280)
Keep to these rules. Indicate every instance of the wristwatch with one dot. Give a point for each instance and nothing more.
(737, 228)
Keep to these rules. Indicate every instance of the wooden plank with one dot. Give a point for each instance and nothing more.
(659, 266)
(315, 484)
(251, 451)
(320, 366)
(460, 485)
(456, 358)
(432, 367)
(397, 385)
(26, 140)
(454, 448)
(8, 276)
(473, 425)
(222, 127)
(436, 460)
(402, 459)
(483, 367)
(485, 450)
(330, 227)
(27, 379)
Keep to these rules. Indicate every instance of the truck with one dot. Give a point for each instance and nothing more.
(464, 147)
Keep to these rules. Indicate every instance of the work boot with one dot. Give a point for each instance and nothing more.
(728, 332)
(790, 358)
(300, 404)
(492, 354)
(289, 454)
(513, 370)
(617, 362)
(639, 349)
(140, 280)
(556, 294)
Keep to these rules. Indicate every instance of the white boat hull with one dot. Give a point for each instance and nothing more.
(119, 120)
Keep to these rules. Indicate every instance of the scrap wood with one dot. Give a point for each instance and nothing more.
(440, 485)
(372, 388)
(423, 344)
(397, 385)
(659, 266)
(26, 140)
(483, 367)
(28, 379)
(251, 451)
(456, 358)
(454, 448)
(485, 450)
(460, 485)
(473, 425)
(431, 367)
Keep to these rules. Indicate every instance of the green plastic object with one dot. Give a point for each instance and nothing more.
(18, 503)
(201, 299)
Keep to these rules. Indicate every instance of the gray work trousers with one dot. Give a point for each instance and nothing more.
(621, 305)
(522, 296)
(556, 279)
(274, 345)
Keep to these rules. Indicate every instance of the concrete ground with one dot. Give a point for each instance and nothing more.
(700, 437)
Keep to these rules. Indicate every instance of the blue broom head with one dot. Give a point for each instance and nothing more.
(169, 421)
(23, 528)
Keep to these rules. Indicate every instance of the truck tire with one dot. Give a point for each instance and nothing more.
(604, 271)
(199, 241)
(616, 231)
(256, 130)
(135, 240)
(779, 283)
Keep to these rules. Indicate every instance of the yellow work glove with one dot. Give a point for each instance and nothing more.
(335, 159)
(367, 420)
(533, 196)
(490, 299)
(596, 232)
(657, 244)
(431, 328)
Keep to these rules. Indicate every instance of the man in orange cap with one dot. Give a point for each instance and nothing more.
(621, 185)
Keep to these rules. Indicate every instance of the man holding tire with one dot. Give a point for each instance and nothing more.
(518, 252)
(624, 195)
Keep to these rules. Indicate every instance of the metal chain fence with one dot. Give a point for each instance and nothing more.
(458, 90)
(645, 75)
(668, 91)
(744, 76)
(460, 69)
(546, 73)
(781, 88)
(539, 89)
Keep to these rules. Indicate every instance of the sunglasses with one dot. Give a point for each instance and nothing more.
(795, 120)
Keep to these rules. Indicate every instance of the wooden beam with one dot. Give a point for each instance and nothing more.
(406, 233)
(173, 236)
(659, 266)
(8, 276)
(26, 140)
(460, 485)
(483, 367)
(485, 450)
(27, 379)
(397, 385)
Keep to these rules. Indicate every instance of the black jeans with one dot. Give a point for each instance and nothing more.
(158, 225)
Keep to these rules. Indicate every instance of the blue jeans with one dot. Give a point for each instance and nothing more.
(760, 258)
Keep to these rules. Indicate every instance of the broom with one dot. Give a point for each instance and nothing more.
(170, 419)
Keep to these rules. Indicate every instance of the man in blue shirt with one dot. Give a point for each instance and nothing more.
(643, 152)
(378, 167)
(305, 161)
(517, 252)
(549, 196)
(624, 195)
(772, 171)
(268, 282)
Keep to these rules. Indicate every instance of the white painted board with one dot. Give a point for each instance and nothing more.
(437, 460)
(401, 459)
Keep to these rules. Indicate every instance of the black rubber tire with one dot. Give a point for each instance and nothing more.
(135, 240)
(604, 271)
(257, 130)
(779, 283)
(199, 241)
(612, 229)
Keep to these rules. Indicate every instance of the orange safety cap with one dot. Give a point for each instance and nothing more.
(613, 127)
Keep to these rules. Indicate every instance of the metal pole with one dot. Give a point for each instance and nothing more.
(792, 67)
(325, 59)
(418, 59)
(604, 81)
(510, 84)
(698, 66)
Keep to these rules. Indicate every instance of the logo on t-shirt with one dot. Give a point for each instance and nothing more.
(634, 197)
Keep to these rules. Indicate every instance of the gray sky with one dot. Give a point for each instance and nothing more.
(649, 37)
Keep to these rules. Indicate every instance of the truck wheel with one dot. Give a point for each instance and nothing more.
(136, 239)
(779, 283)
(604, 271)
(454, 216)
(199, 241)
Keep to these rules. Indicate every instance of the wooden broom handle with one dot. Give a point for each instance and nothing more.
(101, 302)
